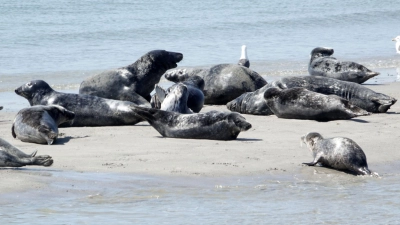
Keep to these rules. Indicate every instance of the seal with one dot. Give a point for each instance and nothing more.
(356, 94)
(251, 103)
(89, 110)
(135, 82)
(176, 100)
(339, 153)
(397, 40)
(39, 124)
(195, 86)
(244, 60)
(299, 103)
(1, 107)
(223, 82)
(212, 125)
(11, 156)
(322, 64)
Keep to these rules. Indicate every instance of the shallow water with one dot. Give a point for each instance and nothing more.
(312, 196)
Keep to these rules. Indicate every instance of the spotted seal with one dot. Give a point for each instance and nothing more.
(223, 82)
(89, 110)
(322, 64)
(244, 60)
(134, 82)
(300, 103)
(39, 124)
(356, 94)
(212, 125)
(339, 153)
(11, 156)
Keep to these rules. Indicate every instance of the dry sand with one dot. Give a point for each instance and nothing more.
(272, 145)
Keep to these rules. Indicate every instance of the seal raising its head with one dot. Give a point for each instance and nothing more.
(175, 100)
(321, 64)
(244, 60)
(11, 156)
(338, 153)
(397, 40)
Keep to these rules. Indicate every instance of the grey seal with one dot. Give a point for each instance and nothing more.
(322, 64)
(175, 100)
(89, 110)
(133, 82)
(339, 153)
(397, 40)
(244, 60)
(356, 94)
(223, 82)
(11, 156)
(39, 124)
(212, 125)
(195, 86)
(251, 103)
(300, 103)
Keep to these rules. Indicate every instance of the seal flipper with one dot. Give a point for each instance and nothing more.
(160, 92)
(145, 113)
(51, 136)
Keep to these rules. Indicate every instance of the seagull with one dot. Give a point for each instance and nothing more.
(397, 40)
(244, 60)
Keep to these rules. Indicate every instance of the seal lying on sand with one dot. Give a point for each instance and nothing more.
(244, 60)
(356, 94)
(175, 100)
(251, 103)
(223, 82)
(195, 86)
(338, 153)
(39, 124)
(299, 103)
(321, 64)
(134, 82)
(89, 110)
(11, 156)
(211, 125)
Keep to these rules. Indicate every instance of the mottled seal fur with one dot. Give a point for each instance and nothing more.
(322, 64)
(195, 86)
(251, 103)
(223, 82)
(11, 156)
(244, 60)
(133, 82)
(356, 94)
(175, 100)
(89, 110)
(339, 153)
(211, 125)
(299, 103)
(39, 124)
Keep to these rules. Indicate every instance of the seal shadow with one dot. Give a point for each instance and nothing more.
(248, 139)
(65, 139)
(29, 168)
(392, 112)
(359, 120)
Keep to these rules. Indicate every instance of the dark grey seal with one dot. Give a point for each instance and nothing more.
(251, 103)
(322, 64)
(211, 125)
(299, 103)
(356, 94)
(39, 124)
(133, 82)
(11, 156)
(244, 60)
(89, 110)
(339, 153)
(223, 82)
(195, 86)
(175, 100)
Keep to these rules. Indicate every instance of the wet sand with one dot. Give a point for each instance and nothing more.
(271, 146)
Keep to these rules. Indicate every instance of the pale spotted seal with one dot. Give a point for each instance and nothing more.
(251, 103)
(175, 100)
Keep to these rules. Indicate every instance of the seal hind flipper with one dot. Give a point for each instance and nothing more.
(145, 113)
(33, 154)
(160, 92)
(42, 160)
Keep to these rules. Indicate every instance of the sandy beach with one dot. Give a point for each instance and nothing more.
(271, 146)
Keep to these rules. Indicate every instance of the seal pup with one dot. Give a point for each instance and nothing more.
(39, 124)
(176, 100)
(251, 103)
(322, 64)
(356, 94)
(397, 40)
(11, 156)
(299, 103)
(222, 83)
(244, 60)
(89, 110)
(195, 86)
(134, 82)
(212, 125)
(339, 153)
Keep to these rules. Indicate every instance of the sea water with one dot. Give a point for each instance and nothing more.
(64, 41)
